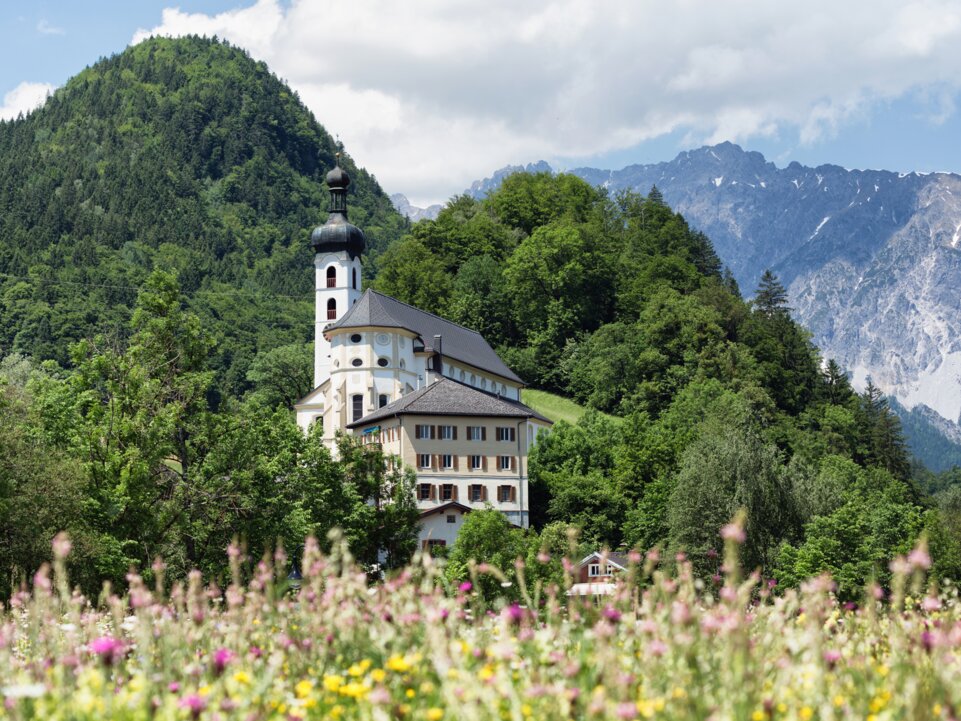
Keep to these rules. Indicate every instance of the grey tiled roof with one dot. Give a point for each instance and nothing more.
(459, 343)
(447, 397)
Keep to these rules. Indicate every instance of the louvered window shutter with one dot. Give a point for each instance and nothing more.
(434, 462)
(453, 492)
(433, 432)
(513, 495)
(483, 433)
(483, 463)
(455, 433)
(433, 492)
(417, 431)
(513, 463)
(456, 462)
(484, 493)
(512, 433)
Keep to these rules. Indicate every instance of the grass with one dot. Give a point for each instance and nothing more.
(555, 407)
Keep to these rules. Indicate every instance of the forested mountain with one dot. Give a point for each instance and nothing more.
(177, 154)
(870, 259)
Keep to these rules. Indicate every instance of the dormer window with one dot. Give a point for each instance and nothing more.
(331, 276)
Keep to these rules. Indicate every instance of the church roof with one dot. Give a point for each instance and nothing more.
(447, 397)
(459, 343)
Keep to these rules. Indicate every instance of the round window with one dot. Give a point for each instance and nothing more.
(383, 339)
(357, 362)
(356, 338)
(382, 362)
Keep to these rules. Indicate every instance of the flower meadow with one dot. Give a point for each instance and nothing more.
(341, 646)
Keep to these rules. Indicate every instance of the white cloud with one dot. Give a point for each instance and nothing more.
(432, 94)
(45, 28)
(24, 98)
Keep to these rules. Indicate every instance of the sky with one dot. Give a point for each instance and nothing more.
(430, 95)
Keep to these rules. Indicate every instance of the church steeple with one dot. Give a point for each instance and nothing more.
(337, 234)
(338, 246)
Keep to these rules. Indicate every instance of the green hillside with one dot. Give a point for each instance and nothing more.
(180, 154)
(555, 407)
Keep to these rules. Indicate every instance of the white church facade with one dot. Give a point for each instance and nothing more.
(434, 394)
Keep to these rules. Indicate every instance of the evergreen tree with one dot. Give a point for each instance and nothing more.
(770, 298)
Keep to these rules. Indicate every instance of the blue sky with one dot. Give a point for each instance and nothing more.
(430, 96)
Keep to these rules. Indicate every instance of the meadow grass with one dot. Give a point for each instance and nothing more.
(665, 646)
(555, 407)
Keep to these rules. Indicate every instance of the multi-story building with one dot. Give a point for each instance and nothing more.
(434, 393)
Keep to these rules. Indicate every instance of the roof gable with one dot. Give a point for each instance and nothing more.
(459, 343)
(447, 397)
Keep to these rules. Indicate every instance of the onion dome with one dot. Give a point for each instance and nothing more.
(337, 234)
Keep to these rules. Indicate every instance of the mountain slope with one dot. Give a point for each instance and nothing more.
(871, 258)
(182, 154)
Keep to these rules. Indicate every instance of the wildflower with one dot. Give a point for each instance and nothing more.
(354, 690)
(465, 587)
(626, 711)
(919, 558)
(194, 704)
(378, 675)
(303, 688)
(333, 682)
(222, 657)
(397, 663)
(611, 614)
(242, 677)
(435, 714)
(806, 713)
(733, 532)
(108, 648)
(61, 546)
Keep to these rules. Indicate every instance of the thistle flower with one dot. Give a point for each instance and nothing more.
(108, 649)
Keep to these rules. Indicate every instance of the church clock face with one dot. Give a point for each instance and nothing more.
(382, 339)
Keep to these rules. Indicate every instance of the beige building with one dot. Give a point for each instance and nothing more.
(433, 393)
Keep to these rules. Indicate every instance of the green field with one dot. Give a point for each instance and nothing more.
(555, 407)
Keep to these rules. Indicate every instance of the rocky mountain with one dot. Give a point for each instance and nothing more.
(413, 213)
(871, 258)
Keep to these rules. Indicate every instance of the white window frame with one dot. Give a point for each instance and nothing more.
(447, 461)
(501, 460)
(445, 433)
(594, 570)
(420, 461)
(423, 433)
(475, 433)
(480, 462)
(507, 493)
(420, 488)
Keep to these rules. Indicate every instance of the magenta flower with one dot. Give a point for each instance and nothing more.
(919, 558)
(222, 657)
(194, 703)
(465, 586)
(611, 614)
(108, 648)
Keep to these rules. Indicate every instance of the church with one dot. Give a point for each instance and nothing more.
(434, 394)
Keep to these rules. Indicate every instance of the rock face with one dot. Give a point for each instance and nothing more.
(414, 213)
(871, 258)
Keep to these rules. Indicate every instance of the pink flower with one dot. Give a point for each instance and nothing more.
(465, 587)
(543, 557)
(61, 546)
(611, 614)
(931, 603)
(193, 703)
(626, 710)
(831, 657)
(222, 657)
(733, 532)
(108, 648)
(919, 558)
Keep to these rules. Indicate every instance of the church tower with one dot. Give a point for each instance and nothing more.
(338, 246)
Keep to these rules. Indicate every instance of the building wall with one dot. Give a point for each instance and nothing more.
(398, 437)
(436, 527)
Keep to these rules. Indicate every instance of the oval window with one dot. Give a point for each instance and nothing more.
(382, 362)
(357, 362)
(356, 338)
(402, 364)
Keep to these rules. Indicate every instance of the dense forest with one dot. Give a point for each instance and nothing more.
(155, 315)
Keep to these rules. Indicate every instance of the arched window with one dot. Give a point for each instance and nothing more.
(331, 309)
(382, 400)
(353, 277)
(331, 276)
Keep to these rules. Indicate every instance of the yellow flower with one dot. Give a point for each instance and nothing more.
(356, 670)
(303, 688)
(757, 715)
(526, 710)
(354, 690)
(936, 709)
(807, 712)
(883, 670)
(435, 714)
(410, 693)
(203, 691)
(839, 701)
(398, 663)
(486, 673)
(378, 674)
(678, 692)
(242, 677)
(332, 683)
(336, 711)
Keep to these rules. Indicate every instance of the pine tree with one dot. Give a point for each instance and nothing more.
(770, 299)
(837, 388)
